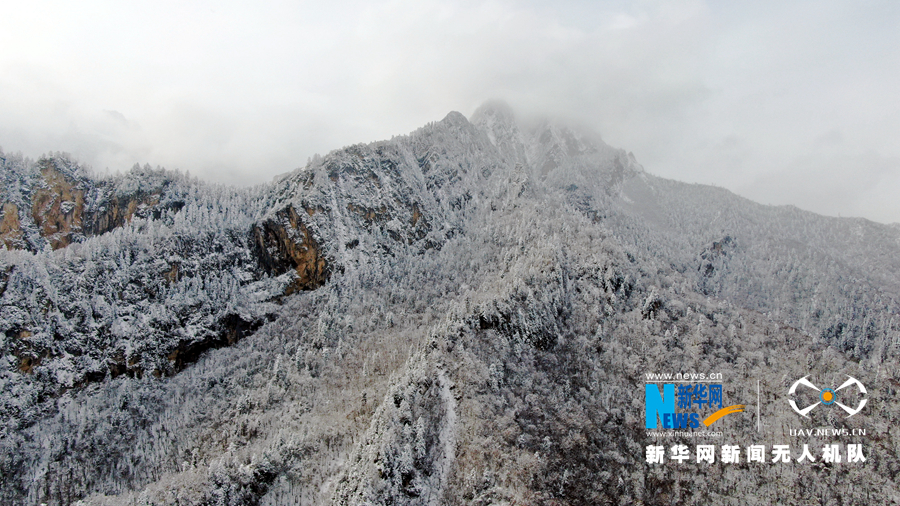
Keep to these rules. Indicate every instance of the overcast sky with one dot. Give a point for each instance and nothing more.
(782, 102)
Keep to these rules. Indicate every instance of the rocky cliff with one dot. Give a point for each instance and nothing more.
(283, 242)
(65, 204)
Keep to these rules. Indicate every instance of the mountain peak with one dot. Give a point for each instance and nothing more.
(455, 118)
(494, 111)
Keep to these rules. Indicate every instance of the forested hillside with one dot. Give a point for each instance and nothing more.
(462, 315)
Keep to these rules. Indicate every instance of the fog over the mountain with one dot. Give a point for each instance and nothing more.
(784, 104)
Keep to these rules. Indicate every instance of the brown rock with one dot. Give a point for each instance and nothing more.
(57, 205)
(284, 242)
(10, 227)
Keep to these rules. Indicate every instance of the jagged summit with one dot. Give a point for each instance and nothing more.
(494, 112)
(454, 118)
(543, 145)
(497, 120)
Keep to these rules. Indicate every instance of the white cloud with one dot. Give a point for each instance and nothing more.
(864, 185)
(698, 91)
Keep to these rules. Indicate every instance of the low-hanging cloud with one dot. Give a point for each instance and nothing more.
(741, 97)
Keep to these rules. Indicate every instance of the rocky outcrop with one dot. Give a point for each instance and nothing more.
(58, 205)
(713, 256)
(117, 210)
(10, 227)
(66, 206)
(284, 242)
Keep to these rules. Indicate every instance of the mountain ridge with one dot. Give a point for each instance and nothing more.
(445, 317)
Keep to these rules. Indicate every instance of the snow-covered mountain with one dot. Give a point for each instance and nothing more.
(463, 315)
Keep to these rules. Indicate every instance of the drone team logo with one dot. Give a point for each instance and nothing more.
(827, 396)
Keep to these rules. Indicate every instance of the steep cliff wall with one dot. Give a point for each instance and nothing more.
(283, 242)
(63, 204)
(10, 227)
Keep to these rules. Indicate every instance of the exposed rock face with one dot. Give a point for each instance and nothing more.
(66, 206)
(58, 205)
(117, 211)
(284, 242)
(10, 227)
(53, 203)
(714, 254)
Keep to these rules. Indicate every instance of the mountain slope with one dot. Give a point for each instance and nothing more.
(461, 315)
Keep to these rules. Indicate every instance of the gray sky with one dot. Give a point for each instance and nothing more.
(782, 102)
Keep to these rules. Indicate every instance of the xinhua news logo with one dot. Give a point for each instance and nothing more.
(829, 396)
(680, 406)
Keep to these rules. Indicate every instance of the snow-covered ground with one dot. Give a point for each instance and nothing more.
(494, 294)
